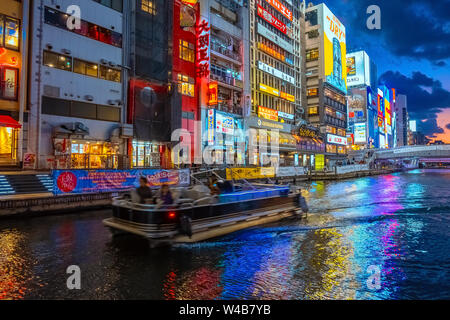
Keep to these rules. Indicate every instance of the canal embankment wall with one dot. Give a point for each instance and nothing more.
(27, 205)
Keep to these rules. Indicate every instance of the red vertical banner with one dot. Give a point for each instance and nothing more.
(202, 52)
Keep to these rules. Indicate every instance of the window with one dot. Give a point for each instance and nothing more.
(187, 51)
(88, 29)
(83, 110)
(313, 111)
(9, 83)
(312, 55)
(56, 107)
(86, 68)
(148, 6)
(311, 17)
(331, 130)
(58, 61)
(106, 113)
(341, 132)
(9, 32)
(312, 92)
(113, 4)
(186, 85)
(110, 74)
(79, 109)
(313, 34)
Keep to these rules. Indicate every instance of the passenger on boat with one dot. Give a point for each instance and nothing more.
(143, 191)
(165, 197)
(213, 186)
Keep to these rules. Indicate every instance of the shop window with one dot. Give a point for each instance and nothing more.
(187, 51)
(148, 6)
(58, 61)
(106, 113)
(312, 55)
(186, 85)
(110, 74)
(341, 132)
(331, 148)
(86, 68)
(9, 83)
(312, 92)
(83, 110)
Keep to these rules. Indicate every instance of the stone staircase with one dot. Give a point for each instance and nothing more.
(11, 184)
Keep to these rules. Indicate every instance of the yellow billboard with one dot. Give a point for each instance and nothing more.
(320, 162)
(250, 173)
(335, 50)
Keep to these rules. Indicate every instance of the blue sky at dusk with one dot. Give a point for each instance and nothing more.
(412, 52)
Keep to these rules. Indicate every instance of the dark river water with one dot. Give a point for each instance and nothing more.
(397, 225)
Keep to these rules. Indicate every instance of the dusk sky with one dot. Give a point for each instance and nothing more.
(412, 52)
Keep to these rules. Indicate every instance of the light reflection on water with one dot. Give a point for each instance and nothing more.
(397, 222)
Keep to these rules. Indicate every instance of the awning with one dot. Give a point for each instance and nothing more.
(7, 121)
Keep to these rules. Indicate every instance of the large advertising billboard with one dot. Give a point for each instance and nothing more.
(358, 69)
(357, 105)
(335, 50)
(360, 135)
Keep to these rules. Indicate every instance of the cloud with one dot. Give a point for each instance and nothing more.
(423, 103)
(409, 28)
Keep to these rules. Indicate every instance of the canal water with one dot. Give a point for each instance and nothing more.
(383, 237)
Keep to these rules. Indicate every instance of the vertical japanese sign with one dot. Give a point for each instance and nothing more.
(211, 126)
(202, 52)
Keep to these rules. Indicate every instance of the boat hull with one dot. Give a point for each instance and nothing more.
(207, 221)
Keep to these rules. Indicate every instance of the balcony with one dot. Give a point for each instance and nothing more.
(234, 83)
(221, 48)
(229, 107)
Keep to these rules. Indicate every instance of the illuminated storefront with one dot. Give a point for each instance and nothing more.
(10, 69)
(146, 154)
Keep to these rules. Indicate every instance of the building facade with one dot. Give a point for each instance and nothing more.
(77, 85)
(277, 51)
(13, 80)
(361, 106)
(402, 120)
(326, 79)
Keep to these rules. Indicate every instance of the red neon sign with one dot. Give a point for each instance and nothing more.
(271, 19)
(281, 8)
(202, 63)
(12, 62)
(212, 93)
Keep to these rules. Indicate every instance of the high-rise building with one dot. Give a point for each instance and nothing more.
(326, 80)
(154, 99)
(224, 93)
(13, 80)
(277, 75)
(402, 121)
(77, 81)
(362, 110)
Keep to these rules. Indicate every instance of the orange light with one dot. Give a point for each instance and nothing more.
(172, 215)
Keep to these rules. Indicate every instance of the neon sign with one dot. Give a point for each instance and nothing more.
(281, 8)
(202, 63)
(271, 19)
(212, 93)
(5, 61)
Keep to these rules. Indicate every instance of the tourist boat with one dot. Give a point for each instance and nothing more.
(197, 216)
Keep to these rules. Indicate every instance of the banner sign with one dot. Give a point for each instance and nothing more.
(250, 173)
(290, 171)
(95, 181)
(281, 8)
(266, 33)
